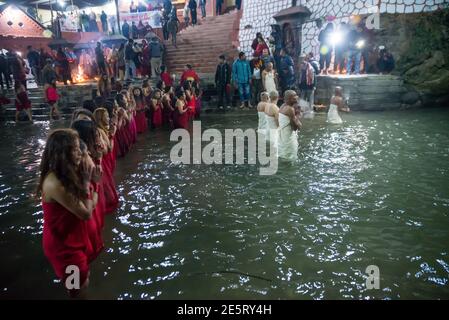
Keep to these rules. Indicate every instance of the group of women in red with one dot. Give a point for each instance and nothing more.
(164, 107)
(77, 184)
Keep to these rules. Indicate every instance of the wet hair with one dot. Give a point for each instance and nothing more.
(98, 116)
(120, 98)
(109, 106)
(99, 101)
(159, 85)
(140, 97)
(187, 85)
(57, 158)
(153, 94)
(82, 111)
(89, 105)
(87, 131)
(179, 92)
(264, 95)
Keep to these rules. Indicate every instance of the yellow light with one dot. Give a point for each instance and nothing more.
(324, 50)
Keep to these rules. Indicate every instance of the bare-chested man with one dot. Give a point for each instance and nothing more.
(337, 104)
(289, 123)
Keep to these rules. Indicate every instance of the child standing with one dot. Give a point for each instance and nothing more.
(52, 98)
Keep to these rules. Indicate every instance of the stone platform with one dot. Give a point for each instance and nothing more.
(365, 92)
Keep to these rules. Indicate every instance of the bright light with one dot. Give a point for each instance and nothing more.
(61, 3)
(360, 44)
(19, 53)
(336, 37)
(110, 8)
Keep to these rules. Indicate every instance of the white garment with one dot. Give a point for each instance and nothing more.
(306, 109)
(262, 122)
(272, 131)
(270, 84)
(332, 115)
(256, 74)
(288, 139)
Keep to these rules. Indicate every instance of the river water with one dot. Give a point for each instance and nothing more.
(373, 191)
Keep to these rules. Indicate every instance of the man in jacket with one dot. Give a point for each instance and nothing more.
(222, 80)
(156, 51)
(241, 75)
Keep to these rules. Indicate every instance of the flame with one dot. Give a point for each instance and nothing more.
(80, 76)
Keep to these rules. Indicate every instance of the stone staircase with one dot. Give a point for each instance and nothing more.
(202, 45)
(71, 97)
(365, 92)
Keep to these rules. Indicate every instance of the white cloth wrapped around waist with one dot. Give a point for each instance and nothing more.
(288, 139)
(262, 122)
(306, 109)
(272, 131)
(333, 116)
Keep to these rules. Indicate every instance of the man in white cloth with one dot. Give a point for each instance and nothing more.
(337, 104)
(264, 100)
(288, 125)
(272, 116)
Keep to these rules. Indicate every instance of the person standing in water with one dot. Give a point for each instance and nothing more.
(68, 202)
(264, 100)
(337, 104)
(272, 116)
(289, 124)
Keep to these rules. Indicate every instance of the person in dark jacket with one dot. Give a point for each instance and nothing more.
(99, 55)
(104, 21)
(287, 75)
(222, 81)
(64, 66)
(193, 5)
(134, 30)
(325, 47)
(34, 63)
(125, 29)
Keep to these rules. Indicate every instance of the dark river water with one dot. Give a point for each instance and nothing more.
(373, 191)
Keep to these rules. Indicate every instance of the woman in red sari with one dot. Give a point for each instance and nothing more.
(181, 113)
(167, 107)
(68, 202)
(156, 105)
(87, 131)
(141, 119)
(106, 144)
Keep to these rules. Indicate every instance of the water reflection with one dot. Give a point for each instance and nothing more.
(372, 191)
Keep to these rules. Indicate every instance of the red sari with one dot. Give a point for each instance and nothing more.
(182, 119)
(157, 115)
(66, 241)
(141, 119)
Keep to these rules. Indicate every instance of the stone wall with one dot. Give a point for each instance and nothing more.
(257, 15)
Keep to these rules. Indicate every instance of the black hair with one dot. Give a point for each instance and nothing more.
(179, 92)
(89, 105)
(241, 54)
(159, 84)
(162, 69)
